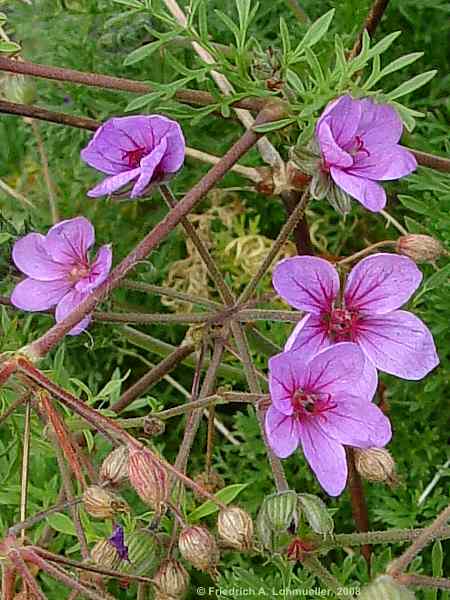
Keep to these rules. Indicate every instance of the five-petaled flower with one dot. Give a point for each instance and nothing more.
(148, 149)
(395, 341)
(358, 140)
(322, 404)
(58, 269)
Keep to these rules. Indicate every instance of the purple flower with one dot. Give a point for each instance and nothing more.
(395, 341)
(117, 539)
(323, 403)
(58, 269)
(358, 140)
(143, 149)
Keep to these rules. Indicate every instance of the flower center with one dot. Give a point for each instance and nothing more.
(341, 324)
(307, 404)
(358, 146)
(78, 272)
(133, 157)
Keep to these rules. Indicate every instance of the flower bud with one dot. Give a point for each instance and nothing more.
(375, 464)
(420, 248)
(199, 547)
(171, 581)
(154, 426)
(102, 504)
(235, 527)
(386, 588)
(114, 469)
(20, 89)
(316, 513)
(212, 482)
(148, 478)
(105, 555)
(144, 553)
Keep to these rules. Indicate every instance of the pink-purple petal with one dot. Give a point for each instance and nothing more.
(371, 195)
(381, 283)
(325, 456)
(344, 115)
(356, 422)
(282, 432)
(66, 305)
(331, 152)
(308, 337)
(398, 343)
(384, 163)
(149, 164)
(286, 375)
(307, 283)
(30, 257)
(69, 241)
(113, 184)
(379, 124)
(336, 369)
(98, 271)
(33, 295)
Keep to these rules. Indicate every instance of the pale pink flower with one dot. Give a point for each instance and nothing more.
(394, 341)
(59, 272)
(323, 403)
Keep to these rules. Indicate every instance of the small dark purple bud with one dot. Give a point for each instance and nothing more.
(117, 539)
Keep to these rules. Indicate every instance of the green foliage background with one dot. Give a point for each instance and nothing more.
(98, 36)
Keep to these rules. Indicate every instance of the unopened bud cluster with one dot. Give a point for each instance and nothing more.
(114, 469)
(149, 478)
(235, 527)
(103, 504)
(375, 464)
(171, 581)
(420, 248)
(198, 547)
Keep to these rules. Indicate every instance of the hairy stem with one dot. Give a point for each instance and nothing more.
(172, 293)
(46, 171)
(365, 251)
(194, 97)
(153, 376)
(25, 465)
(422, 581)
(370, 24)
(358, 501)
(315, 567)
(400, 565)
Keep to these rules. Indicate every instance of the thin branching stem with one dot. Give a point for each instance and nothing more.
(423, 581)
(371, 23)
(25, 465)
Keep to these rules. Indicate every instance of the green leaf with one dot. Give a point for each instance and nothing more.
(142, 52)
(413, 84)
(273, 125)
(439, 278)
(315, 33)
(407, 115)
(401, 63)
(4, 237)
(285, 38)
(9, 47)
(316, 513)
(227, 495)
(418, 206)
(61, 523)
(131, 3)
(384, 44)
(142, 101)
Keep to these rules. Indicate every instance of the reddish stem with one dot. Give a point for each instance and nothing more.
(358, 500)
(370, 24)
(195, 97)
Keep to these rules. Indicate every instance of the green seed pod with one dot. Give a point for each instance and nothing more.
(281, 510)
(144, 553)
(20, 89)
(278, 512)
(316, 514)
(102, 504)
(171, 581)
(235, 527)
(386, 588)
(105, 555)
